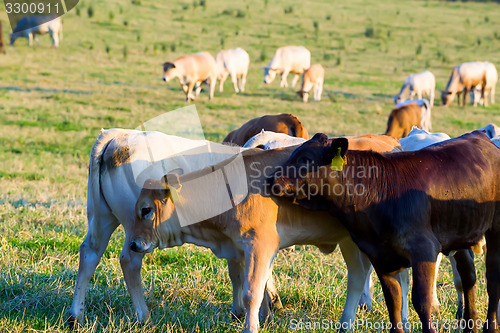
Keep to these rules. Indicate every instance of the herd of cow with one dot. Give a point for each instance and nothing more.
(424, 195)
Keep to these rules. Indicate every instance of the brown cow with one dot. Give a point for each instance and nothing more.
(2, 44)
(403, 209)
(312, 79)
(281, 123)
(402, 119)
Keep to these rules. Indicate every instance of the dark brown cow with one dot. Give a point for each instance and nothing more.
(402, 120)
(403, 209)
(280, 123)
(2, 44)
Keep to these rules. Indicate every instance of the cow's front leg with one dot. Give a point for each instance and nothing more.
(358, 268)
(212, 81)
(30, 39)
(284, 75)
(189, 95)
(295, 79)
(465, 267)
(423, 276)
(91, 251)
(258, 263)
(131, 263)
(465, 93)
(391, 287)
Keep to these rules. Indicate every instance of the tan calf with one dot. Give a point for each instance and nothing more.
(312, 79)
(280, 123)
(192, 70)
(402, 120)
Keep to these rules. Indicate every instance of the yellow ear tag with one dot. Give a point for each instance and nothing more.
(338, 161)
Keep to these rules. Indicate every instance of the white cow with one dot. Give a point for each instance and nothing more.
(491, 130)
(233, 63)
(288, 59)
(272, 140)
(420, 138)
(30, 26)
(417, 85)
(491, 82)
(496, 140)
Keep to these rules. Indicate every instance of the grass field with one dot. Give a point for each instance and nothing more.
(107, 73)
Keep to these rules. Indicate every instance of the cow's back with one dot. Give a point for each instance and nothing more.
(377, 143)
(295, 58)
(472, 73)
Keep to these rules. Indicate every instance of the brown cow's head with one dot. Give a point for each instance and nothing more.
(309, 168)
(304, 95)
(169, 71)
(447, 97)
(156, 224)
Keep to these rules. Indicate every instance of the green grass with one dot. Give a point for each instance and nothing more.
(54, 102)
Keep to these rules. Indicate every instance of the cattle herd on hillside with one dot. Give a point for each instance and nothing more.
(392, 201)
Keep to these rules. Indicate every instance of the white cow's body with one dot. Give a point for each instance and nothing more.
(463, 79)
(496, 140)
(233, 63)
(420, 138)
(491, 130)
(417, 85)
(272, 140)
(288, 59)
(53, 27)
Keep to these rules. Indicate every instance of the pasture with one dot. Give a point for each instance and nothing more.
(107, 73)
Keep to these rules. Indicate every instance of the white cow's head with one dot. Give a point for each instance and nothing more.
(156, 223)
(169, 71)
(269, 74)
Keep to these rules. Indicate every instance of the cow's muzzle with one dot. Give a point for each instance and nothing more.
(140, 246)
(164, 79)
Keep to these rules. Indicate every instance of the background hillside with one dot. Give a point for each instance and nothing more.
(107, 73)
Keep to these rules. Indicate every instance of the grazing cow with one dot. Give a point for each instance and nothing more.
(403, 118)
(116, 164)
(2, 44)
(491, 130)
(463, 79)
(419, 138)
(411, 206)
(30, 26)
(192, 70)
(417, 85)
(233, 63)
(491, 82)
(312, 79)
(288, 59)
(281, 123)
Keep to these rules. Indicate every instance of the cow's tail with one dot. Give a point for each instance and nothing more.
(96, 156)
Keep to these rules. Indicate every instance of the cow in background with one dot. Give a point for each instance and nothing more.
(417, 85)
(312, 79)
(192, 70)
(288, 59)
(281, 123)
(233, 63)
(464, 78)
(409, 115)
(491, 82)
(30, 26)
(2, 44)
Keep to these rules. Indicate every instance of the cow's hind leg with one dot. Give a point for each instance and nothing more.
(457, 281)
(359, 268)
(91, 251)
(493, 280)
(391, 287)
(295, 79)
(465, 267)
(131, 263)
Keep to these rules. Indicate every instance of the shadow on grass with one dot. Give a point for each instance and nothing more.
(54, 91)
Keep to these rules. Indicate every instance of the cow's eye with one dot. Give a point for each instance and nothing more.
(146, 211)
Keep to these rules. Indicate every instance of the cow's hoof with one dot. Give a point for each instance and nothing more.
(237, 317)
(72, 322)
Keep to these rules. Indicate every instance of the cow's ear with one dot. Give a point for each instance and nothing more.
(171, 183)
(322, 138)
(337, 152)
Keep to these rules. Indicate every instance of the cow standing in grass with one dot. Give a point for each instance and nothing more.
(312, 79)
(288, 59)
(30, 26)
(192, 70)
(233, 63)
(417, 85)
(491, 83)
(402, 119)
(463, 79)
